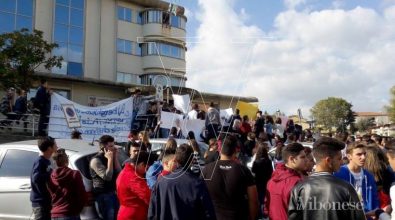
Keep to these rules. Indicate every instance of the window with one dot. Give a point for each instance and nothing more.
(170, 50)
(17, 163)
(140, 18)
(124, 14)
(124, 46)
(129, 78)
(69, 35)
(151, 79)
(153, 16)
(139, 49)
(15, 15)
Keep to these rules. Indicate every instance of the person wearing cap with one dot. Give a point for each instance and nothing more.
(66, 188)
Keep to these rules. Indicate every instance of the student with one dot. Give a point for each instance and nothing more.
(231, 185)
(41, 171)
(284, 178)
(361, 179)
(67, 189)
(310, 197)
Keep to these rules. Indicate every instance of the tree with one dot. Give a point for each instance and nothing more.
(364, 124)
(21, 53)
(333, 112)
(391, 107)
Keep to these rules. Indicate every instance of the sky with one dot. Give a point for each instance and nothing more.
(292, 53)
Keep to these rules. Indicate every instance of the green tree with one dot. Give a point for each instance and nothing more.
(21, 53)
(364, 124)
(333, 112)
(391, 107)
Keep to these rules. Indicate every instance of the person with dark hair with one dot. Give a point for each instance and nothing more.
(132, 190)
(269, 126)
(104, 169)
(156, 168)
(390, 153)
(212, 153)
(75, 134)
(263, 169)
(193, 114)
(376, 163)
(279, 128)
(196, 156)
(191, 135)
(231, 185)
(259, 123)
(213, 121)
(245, 128)
(40, 176)
(284, 178)
(232, 118)
(361, 179)
(67, 189)
(42, 101)
(133, 136)
(181, 194)
(321, 195)
(310, 161)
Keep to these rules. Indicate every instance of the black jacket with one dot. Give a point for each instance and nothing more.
(325, 197)
(181, 195)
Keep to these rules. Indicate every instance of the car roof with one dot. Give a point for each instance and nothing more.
(71, 145)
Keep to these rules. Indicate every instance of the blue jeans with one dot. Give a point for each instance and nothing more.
(107, 206)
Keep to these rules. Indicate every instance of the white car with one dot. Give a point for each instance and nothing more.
(16, 162)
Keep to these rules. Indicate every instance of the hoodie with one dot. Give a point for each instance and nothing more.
(67, 192)
(279, 190)
(369, 188)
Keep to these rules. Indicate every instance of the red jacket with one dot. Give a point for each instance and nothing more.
(67, 192)
(278, 191)
(133, 194)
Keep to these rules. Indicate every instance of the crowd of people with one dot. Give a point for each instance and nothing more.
(340, 177)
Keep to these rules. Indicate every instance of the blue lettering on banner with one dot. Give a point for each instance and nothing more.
(119, 110)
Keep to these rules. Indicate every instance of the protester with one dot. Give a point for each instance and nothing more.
(269, 126)
(194, 112)
(132, 190)
(212, 153)
(321, 195)
(195, 167)
(20, 108)
(104, 170)
(168, 163)
(376, 163)
(144, 140)
(231, 185)
(182, 194)
(284, 178)
(133, 136)
(42, 101)
(310, 161)
(361, 179)
(66, 188)
(40, 176)
(263, 169)
(6, 107)
(75, 134)
(213, 121)
(156, 168)
(259, 123)
(232, 118)
(279, 128)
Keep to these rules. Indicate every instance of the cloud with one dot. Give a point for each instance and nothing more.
(309, 56)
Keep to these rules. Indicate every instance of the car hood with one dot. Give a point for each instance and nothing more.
(62, 176)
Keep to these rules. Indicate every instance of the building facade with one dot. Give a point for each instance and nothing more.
(108, 46)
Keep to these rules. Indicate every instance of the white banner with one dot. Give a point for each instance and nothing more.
(170, 120)
(195, 125)
(181, 102)
(113, 119)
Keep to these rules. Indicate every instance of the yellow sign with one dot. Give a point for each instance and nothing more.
(247, 109)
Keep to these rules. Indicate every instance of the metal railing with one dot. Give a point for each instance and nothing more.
(25, 122)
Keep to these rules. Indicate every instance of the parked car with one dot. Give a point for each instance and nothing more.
(16, 162)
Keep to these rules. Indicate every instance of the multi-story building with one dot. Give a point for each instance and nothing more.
(108, 46)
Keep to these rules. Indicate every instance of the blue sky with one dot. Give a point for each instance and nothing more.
(292, 53)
